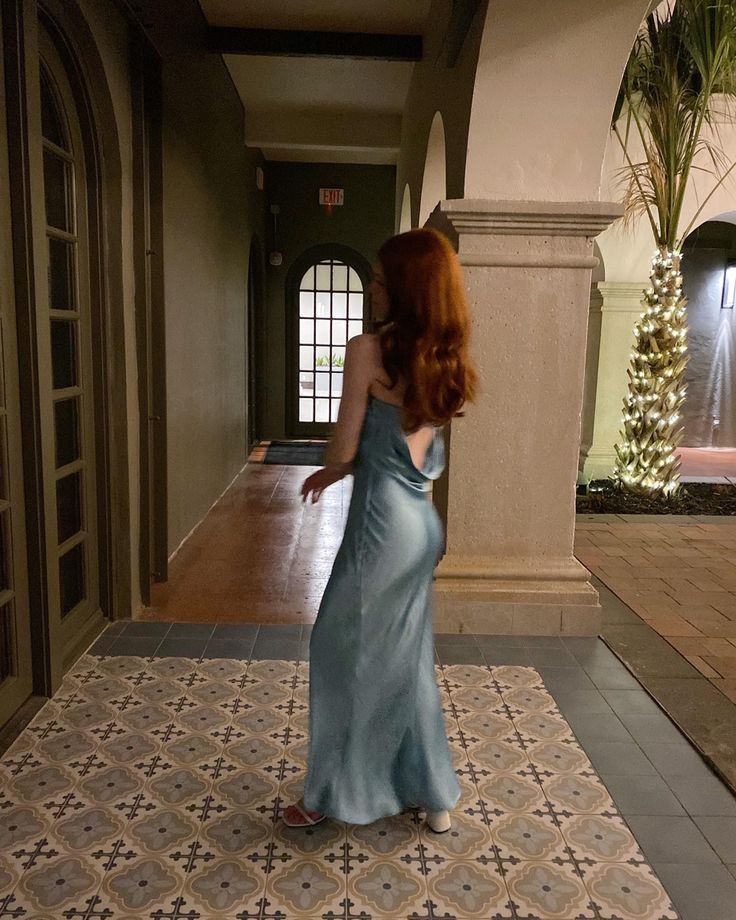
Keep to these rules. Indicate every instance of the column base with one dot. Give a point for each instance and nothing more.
(599, 463)
(515, 597)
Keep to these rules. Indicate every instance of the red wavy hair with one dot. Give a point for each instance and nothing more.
(424, 339)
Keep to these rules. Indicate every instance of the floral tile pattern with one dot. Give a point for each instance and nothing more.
(154, 789)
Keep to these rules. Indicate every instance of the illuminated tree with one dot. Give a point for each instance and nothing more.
(680, 70)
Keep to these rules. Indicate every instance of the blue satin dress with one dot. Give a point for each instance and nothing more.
(377, 736)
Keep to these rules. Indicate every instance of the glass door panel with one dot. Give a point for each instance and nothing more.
(66, 361)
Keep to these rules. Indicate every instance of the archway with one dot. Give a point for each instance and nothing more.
(434, 179)
(405, 218)
(709, 410)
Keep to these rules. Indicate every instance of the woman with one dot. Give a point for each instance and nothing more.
(377, 737)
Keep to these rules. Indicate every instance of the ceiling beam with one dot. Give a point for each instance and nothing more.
(287, 42)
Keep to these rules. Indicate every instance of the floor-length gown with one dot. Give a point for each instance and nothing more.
(377, 737)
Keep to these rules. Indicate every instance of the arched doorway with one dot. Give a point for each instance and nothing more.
(709, 410)
(434, 180)
(326, 297)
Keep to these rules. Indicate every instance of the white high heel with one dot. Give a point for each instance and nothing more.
(439, 821)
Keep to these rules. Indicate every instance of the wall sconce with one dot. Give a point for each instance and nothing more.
(729, 285)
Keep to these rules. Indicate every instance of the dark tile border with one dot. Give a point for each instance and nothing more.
(700, 711)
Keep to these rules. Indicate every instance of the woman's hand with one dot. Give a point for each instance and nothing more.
(318, 482)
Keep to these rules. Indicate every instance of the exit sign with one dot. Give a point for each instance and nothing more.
(332, 196)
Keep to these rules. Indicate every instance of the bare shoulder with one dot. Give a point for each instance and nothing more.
(366, 341)
(366, 349)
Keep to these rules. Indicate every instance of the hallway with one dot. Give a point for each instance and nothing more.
(260, 555)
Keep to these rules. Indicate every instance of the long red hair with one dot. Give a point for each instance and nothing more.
(424, 339)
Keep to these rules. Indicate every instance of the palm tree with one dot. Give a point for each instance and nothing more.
(678, 77)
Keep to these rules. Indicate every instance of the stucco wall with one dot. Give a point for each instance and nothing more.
(362, 223)
(437, 87)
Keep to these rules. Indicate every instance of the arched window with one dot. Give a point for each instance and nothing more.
(331, 309)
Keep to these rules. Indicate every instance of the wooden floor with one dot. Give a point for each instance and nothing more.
(260, 555)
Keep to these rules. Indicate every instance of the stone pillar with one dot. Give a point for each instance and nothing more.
(509, 566)
(620, 307)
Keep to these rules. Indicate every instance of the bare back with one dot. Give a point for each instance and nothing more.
(380, 386)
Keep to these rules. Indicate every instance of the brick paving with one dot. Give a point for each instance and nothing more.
(679, 577)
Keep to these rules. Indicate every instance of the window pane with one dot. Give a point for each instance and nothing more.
(322, 410)
(340, 305)
(56, 190)
(307, 283)
(338, 356)
(323, 355)
(306, 410)
(356, 306)
(355, 283)
(336, 383)
(306, 305)
(66, 419)
(71, 578)
(355, 327)
(322, 385)
(334, 409)
(339, 277)
(324, 305)
(52, 119)
(339, 332)
(306, 358)
(5, 550)
(306, 384)
(323, 277)
(306, 331)
(61, 275)
(63, 353)
(323, 331)
(69, 506)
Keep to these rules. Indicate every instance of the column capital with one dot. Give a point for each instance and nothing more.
(491, 232)
(621, 296)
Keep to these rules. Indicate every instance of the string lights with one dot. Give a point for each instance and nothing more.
(647, 462)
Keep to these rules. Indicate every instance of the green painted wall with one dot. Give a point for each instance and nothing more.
(362, 223)
(212, 210)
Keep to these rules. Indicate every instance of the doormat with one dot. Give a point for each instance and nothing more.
(295, 453)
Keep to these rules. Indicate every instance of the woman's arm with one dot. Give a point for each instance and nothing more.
(339, 453)
(358, 373)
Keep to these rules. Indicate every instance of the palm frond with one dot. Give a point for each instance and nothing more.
(680, 74)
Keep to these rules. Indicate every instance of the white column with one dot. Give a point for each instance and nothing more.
(620, 307)
(513, 457)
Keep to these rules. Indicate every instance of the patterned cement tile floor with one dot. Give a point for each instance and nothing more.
(152, 787)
